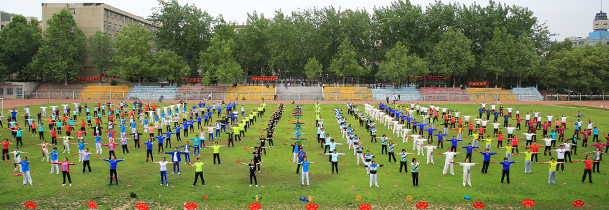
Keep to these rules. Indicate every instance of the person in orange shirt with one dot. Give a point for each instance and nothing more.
(459, 131)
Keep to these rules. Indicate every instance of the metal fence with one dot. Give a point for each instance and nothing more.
(573, 97)
(194, 95)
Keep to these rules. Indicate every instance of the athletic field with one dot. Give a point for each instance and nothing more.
(227, 185)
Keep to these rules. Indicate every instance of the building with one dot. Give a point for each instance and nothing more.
(599, 35)
(4, 23)
(93, 17)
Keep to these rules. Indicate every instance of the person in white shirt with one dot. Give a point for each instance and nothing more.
(430, 149)
(549, 117)
(510, 131)
(448, 162)
(466, 171)
(561, 156)
(163, 163)
(44, 111)
(548, 145)
(415, 137)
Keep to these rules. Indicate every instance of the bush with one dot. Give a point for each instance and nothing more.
(263, 98)
(113, 82)
(243, 98)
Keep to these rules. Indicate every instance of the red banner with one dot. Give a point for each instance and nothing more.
(191, 79)
(264, 78)
(430, 78)
(477, 83)
(86, 79)
(439, 78)
(105, 75)
(417, 78)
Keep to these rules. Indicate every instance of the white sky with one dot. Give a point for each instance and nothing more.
(564, 17)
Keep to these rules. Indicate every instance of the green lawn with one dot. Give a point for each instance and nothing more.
(227, 186)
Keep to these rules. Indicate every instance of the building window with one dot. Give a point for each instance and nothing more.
(9, 91)
(1, 91)
(119, 28)
(103, 26)
(114, 27)
(109, 26)
(72, 11)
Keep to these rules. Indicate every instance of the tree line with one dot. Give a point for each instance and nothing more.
(468, 42)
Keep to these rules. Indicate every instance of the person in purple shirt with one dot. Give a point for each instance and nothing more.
(430, 133)
(441, 140)
(487, 160)
(453, 146)
(469, 148)
(506, 169)
(113, 163)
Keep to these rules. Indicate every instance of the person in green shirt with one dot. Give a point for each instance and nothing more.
(553, 168)
(217, 152)
(199, 170)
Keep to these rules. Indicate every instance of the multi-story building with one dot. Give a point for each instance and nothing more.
(93, 17)
(599, 35)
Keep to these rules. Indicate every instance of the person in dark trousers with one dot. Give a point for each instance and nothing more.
(252, 166)
(506, 169)
(113, 163)
(415, 172)
(198, 171)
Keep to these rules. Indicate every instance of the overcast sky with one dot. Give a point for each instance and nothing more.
(564, 17)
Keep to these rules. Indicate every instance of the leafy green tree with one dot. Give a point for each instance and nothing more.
(184, 29)
(313, 68)
(19, 43)
(251, 44)
(167, 64)
(398, 64)
(63, 52)
(344, 63)
(452, 55)
(218, 64)
(526, 59)
(133, 58)
(100, 50)
(498, 56)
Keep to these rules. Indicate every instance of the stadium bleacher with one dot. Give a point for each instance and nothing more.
(347, 94)
(249, 93)
(406, 93)
(104, 92)
(56, 91)
(200, 92)
(443, 94)
(152, 93)
(527, 94)
(490, 94)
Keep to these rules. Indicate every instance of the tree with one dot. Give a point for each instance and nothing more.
(344, 63)
(452, 55)
(578, 69)
(19, 43)
(313, 68)
(184, 29)
(218, 63)
(398, 64)
(100, 50)
(498, 54)
(133, 57)
(525, 58)
(167, 64)
(62, 53)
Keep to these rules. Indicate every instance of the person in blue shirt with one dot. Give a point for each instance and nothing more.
(506, 169)
(25, 166)
(176, 157)
(305, 169)
(441, 140)
(595, 130)
(496, 116)
(334, 158)
(430, 133)
(505, 120)
(469, 148)
(488, 114)
(487, 160)
(149, 145)
(160, 143)
(54, 159)
(13, 114)
(480, 112)
(168, 137)
(453, 145)
(113, 163)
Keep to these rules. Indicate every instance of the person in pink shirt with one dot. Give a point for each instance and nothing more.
(545, 127)
(515, 143)
(110, 133)
(561, 133)
(585, 134)
(65, 170)
(111, 148)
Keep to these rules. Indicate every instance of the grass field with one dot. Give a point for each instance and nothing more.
(227, 185)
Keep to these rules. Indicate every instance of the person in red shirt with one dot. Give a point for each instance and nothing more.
(499, 140)
(82, 125)
(53, 136)
(68, 129)
(471, 129)
(587, 169)
(5, 149)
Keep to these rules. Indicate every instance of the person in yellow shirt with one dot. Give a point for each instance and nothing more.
(553, 168)
(528, 160)
(217, 152)
(489, 142)
(508, 151)
(199, 170)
